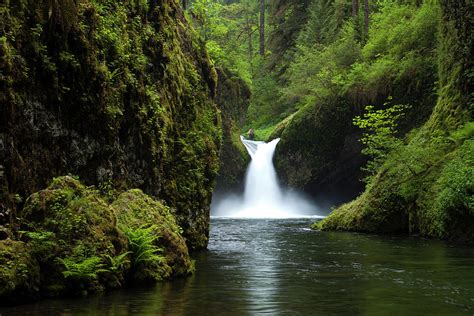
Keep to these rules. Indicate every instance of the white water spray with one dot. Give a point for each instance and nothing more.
(263, 197)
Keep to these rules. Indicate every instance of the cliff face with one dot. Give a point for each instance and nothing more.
(233, 98)
(117, 93)
(427, 187)
(319, 151)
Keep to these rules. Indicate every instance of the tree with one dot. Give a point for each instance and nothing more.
(379, 137)
(355, 8)
(262, 27)
(366, 16)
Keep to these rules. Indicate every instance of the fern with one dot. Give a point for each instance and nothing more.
(86, 269)
(142, 245)
(116, 263)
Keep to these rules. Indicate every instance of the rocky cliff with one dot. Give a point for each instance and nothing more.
(233, 98)
(119, 94)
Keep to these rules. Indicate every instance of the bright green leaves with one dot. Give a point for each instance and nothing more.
(379, 137)
(82, 269)
(142, 246)
(229, 31)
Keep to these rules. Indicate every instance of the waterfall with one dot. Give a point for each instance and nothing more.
(262, 193)
(263, 197)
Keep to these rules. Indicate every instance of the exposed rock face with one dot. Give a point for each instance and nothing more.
(319, 151)
(114, 92)
(233, 98)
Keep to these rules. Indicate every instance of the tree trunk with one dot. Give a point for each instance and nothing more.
(248, 26)
(185, 4)
(262, 27)
(366, 16)
(355, 8)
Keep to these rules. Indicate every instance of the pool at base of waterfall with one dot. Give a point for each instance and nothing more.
(280, 267)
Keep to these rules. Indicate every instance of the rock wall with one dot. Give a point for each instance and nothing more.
(233, 98)
(117, 93)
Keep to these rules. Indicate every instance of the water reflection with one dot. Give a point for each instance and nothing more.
(279, 267)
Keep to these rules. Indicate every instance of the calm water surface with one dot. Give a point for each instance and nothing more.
(279, 267)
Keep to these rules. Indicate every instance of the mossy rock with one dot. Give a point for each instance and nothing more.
(379, 210)
(69, 220)
(134, 209)
(425, 191)
(72, 241)
(19, 272)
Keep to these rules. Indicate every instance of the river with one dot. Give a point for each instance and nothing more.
(280, 267)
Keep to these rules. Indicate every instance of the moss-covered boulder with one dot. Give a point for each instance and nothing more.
(116, 92)
(136, 210)
(71, 222)
(71, 240)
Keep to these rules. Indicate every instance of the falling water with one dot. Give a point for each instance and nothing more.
(263, 197)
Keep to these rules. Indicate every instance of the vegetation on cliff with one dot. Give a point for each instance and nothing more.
(115, 92)
(425, 186)
(145, 110)
(120, 94)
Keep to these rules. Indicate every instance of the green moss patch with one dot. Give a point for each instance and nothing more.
(72, 241)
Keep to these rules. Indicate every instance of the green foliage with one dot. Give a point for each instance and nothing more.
(19, 270)
(379, 137)
(106, 189)
(148, 261)
(228, 30)
(425, 186)
(142, 246)
(117, 263)
(134, 209)
(456, 184)
(43, 244)
(82, 269)
(462, 134)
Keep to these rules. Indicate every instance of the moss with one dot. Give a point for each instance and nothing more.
(383, 214)
(454, 106)
(78, 224)
(19, 272)
(433, 201)
(134, 210)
